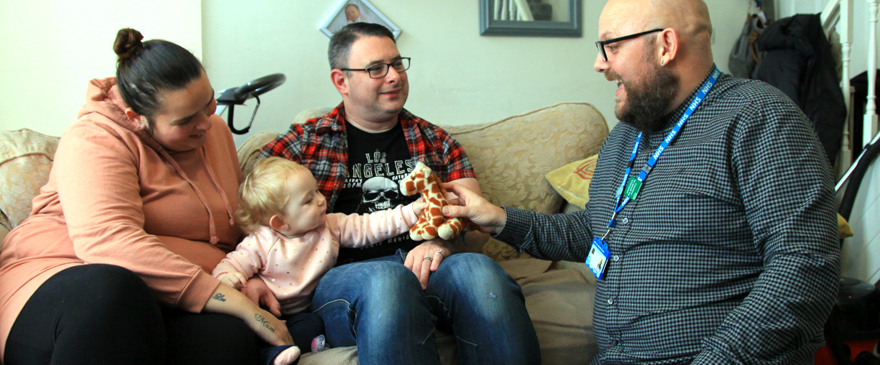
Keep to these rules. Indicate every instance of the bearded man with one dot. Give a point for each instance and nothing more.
(711, 223)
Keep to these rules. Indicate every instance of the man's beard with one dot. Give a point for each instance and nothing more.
(648, 101)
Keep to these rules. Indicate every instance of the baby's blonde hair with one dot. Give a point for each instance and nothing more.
(265, 192)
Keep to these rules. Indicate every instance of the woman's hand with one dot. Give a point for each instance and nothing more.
(229, 301)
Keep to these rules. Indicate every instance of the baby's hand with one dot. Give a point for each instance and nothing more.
(233, 279)
(418, 206)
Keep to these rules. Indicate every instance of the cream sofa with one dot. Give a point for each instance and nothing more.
(511, 158)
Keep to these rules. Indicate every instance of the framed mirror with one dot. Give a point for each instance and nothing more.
(540, 18)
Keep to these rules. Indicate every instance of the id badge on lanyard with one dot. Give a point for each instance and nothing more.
(597, 258)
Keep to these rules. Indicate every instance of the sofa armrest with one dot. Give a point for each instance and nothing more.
(25, 161)
(3, 232)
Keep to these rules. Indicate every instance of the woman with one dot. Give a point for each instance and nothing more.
(113, 266)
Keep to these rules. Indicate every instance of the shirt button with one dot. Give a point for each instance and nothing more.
(616, 258)
(610, 301)
(625, 220)
(615, 342)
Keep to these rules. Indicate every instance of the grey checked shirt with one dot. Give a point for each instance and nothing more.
(729, 255)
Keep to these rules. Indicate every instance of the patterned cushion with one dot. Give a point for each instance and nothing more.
(572, 181)
(25, 160)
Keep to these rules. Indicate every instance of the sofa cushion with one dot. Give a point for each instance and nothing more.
(511, 157)
(843, 228)
(3, 233)
(572, 181)
(250, 150)
(25, 161)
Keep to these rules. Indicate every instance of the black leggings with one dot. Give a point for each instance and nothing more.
(105, 314)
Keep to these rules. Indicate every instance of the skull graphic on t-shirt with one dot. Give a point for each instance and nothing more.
(378, 193)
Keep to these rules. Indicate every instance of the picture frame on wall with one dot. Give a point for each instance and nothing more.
(536, 18)
(350, 11)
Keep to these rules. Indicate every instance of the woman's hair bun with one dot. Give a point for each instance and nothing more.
(128, 43)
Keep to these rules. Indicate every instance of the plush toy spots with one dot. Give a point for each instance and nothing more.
(431, 222)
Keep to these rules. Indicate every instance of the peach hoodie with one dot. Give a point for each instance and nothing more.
(115, 196)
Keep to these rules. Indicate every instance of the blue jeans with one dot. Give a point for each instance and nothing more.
(379, 306)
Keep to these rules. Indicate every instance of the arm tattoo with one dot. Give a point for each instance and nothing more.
(219, 297)
(263, 320)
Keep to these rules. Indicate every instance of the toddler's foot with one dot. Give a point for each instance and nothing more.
(288, 356)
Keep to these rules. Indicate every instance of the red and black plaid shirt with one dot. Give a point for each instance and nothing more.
(320, 145)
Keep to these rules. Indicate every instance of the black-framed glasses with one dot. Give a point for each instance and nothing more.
(379, 70)
(601, 44)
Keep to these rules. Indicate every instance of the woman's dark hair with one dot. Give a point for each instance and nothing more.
(146, 68)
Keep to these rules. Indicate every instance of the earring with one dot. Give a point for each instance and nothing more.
(662, 63)
(145, 126)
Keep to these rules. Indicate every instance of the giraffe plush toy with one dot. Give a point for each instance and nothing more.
(432, 223)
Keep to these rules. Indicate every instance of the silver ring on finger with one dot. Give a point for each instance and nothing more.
(441, 253)
(428, 258)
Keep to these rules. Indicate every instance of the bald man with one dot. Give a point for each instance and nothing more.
(711, 223)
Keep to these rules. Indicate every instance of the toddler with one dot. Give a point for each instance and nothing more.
(292, 242)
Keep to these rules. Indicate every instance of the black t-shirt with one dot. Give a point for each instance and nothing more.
(376, 164)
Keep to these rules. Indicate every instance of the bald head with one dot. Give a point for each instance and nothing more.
(689, 18)
(664, 41)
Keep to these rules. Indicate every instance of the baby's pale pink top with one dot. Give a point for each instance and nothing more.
(292, 267)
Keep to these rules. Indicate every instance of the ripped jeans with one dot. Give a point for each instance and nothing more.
(379, 306)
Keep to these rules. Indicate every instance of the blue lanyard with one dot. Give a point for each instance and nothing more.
(698, 99)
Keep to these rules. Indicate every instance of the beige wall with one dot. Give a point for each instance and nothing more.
(49, 50)
(457, 76)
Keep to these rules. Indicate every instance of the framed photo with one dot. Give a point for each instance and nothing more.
(537, 18)
(350, 11)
